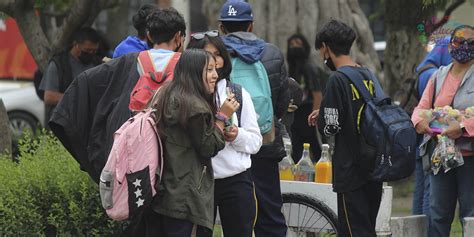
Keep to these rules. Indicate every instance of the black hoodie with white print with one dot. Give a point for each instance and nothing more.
(340, 110)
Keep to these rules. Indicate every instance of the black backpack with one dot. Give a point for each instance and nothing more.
(387, 130)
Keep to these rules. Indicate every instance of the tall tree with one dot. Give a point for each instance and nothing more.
(276, 20)
(71, 13)
(409, 24)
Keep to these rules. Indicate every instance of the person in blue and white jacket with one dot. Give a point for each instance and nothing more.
(234, 191)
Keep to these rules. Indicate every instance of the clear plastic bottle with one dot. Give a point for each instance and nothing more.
(286, 165)
(324, 167)
(304, 170)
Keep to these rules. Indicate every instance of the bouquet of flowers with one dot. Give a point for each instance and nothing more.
(445, 154)
(441, 117)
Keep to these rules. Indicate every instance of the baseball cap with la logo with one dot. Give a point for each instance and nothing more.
(236, 10)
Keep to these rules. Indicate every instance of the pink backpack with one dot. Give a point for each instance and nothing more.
(127, 182)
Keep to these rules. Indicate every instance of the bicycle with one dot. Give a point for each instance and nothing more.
(308, 217)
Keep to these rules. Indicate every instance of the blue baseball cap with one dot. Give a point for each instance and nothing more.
(236, 10)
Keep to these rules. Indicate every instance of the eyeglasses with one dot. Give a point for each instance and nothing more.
(458, 41)
(201, 35)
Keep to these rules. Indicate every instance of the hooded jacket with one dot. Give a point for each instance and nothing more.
(131, 44)
(187, 187)
(250, 49)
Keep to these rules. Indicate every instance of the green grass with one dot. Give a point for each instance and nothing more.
(217, 231)
(402, 203)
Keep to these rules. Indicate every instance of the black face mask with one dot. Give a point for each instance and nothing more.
(149, 43)
(296, 54)
(177, 48)
(330, 64)
(87, 58)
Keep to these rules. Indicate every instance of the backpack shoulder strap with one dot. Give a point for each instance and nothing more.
(169, 69)
(145, 62)
(152, 120)
(237, 90)
(357, 79)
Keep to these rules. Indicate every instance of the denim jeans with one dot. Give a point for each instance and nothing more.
(421, 194)
(446, 189)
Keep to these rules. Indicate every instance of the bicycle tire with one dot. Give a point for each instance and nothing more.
(301, 228)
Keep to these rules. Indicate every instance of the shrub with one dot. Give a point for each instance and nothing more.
(44, 193)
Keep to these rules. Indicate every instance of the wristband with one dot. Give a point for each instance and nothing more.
(223, 118)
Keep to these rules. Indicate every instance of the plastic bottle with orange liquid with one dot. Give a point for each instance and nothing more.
(324, 167)
(286, 165)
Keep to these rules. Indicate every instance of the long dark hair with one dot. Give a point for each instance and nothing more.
(295, 65)
(217, 42)
(186, 87)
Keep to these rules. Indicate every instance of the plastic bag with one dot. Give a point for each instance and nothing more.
(446, 155)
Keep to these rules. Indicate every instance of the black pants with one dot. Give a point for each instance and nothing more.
(235, 197)
(301, 133)
(152, 224)
(270, 219)
(357, 210)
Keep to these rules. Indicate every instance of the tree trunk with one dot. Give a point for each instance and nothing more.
(276, 20)
(5, 137)
(117, 22)
(30, 28)
(404, 49)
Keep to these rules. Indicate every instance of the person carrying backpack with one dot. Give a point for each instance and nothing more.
(234, 193)
(98, 101)
(259, 67)
(358, 197)
(191, 127)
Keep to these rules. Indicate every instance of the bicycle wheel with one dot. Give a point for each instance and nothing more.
(308, 217)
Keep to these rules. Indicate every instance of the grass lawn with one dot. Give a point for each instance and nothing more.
(402, 203)
(217, 231)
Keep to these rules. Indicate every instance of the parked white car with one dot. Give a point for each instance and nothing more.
(25, 110)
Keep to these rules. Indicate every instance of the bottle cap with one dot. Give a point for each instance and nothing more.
(306, 145)
(326, 146)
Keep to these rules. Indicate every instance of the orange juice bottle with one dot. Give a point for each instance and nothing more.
(324, 167)
(286, 165)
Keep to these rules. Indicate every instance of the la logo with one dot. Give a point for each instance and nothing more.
(232, 11)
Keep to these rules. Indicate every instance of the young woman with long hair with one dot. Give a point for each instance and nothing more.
(191, 128)
(234, 190)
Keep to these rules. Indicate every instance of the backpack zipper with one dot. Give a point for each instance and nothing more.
(202, 176)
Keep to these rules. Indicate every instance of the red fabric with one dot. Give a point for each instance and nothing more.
(150, 81)
(15, 58)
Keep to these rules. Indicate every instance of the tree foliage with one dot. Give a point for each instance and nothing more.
(44, 193)
(71, 14)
